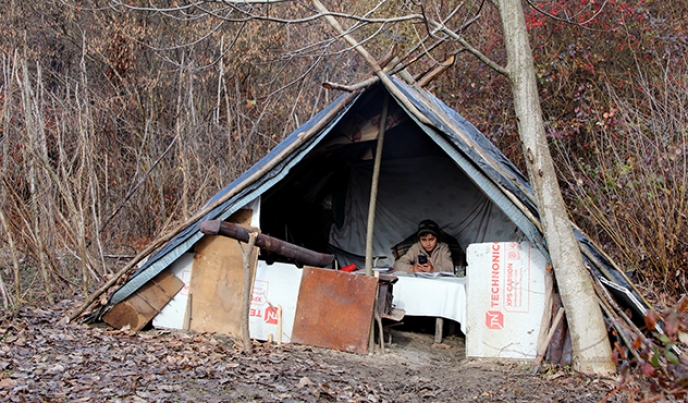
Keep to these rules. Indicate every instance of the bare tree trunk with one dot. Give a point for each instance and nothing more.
(81, 192)
(32, 153)
(15, 264)
(8, 72)
(591, 349)
(220, 75)
(229, 125)
(249, 258)
(6, 297)
(95, 211)
(181, 127)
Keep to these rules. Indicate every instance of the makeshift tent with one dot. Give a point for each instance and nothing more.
(313, 189)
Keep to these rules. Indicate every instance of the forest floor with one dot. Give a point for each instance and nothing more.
(45, 359)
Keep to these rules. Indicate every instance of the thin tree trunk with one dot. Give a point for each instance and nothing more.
(6, 297)
(81, 193)
(220, 74)
(374, 189)
(15, 263)
(248, 255)
(33, 150)
(8, 72)
(180, 129)
(591, 349)
(229, 125)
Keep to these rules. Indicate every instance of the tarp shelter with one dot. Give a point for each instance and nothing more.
(313, 189)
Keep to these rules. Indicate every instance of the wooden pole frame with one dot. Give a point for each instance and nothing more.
(248, 255)
(374, 188)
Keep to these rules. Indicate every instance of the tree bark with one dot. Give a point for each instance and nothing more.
(591, 349)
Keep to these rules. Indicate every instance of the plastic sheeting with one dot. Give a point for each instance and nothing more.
(411, 190)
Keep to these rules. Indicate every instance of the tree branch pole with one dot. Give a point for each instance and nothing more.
(542, 350)
(247, 254)
(374, 188)
(372, 62)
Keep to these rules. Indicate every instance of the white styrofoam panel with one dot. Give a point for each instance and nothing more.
(276, 285)
(506, 295)
(172, 315)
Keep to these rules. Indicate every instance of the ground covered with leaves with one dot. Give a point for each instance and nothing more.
(44, 359)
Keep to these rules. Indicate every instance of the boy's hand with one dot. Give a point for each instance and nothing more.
(425, 268)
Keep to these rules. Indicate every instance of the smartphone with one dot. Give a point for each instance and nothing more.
(422, 259)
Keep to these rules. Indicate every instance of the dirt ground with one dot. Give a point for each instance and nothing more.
(43, 359)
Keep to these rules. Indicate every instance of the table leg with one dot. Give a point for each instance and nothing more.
(439, 323)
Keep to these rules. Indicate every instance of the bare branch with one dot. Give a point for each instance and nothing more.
(373, 63)
(496, 67)
(441, 40)
(351, 88)
(427, 78)
(249, 15)
(567, 20)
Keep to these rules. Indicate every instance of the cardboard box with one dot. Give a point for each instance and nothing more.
(507, 291)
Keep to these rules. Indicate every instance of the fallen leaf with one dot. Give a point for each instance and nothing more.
(303, 382)
(56, 369)
(8, 383)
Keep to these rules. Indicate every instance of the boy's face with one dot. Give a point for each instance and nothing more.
(428, 242)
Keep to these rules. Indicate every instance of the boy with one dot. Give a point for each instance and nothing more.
(428, 254)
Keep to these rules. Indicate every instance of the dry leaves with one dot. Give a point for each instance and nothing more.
(42, 359)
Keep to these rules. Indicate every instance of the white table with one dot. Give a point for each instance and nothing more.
(442, 297)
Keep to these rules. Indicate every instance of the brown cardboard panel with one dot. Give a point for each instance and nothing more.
(217, 282)
(217, 285)
(335, 310)
(137, 310)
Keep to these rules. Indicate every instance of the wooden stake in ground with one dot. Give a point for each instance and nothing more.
(248, 290)
(279, 324)
(543, 348)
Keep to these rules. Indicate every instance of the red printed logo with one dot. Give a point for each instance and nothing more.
(260, 293)
(186, 278)
(270, 316)
(494, 320)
